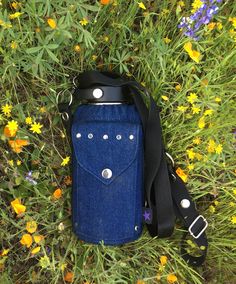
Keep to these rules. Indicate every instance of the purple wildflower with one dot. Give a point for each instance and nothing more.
(30, 179)
(192, 24)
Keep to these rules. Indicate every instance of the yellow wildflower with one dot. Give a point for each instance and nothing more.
(201, 123)
(18, 162)
(17, 206)
(197, 140)
(193, 54)
(11, 163)
(83, 22)
(142, 6)
(42, 109)
(219, 26)
(192, 98)
(65, 161)
(211, 26)
(35, 250)
(212, 209)
(15, 15)
(106, 38)
(178, 87)
(208, 112)
(190, 167)
(234, 191)
(182, 108)
(181, 3)
(38, 238)
(182, 174)
(211, 146)
(12, 126)
(196, 5)
(233, 220)
(171, 278)
(52, 23)
(31, 227)
(36, 127)
(191, 154)
(233, 20)
(218, 149)
(4, 252)
(15, 5)
(94, 57)
(167, 40)
(28, 120)
(26, 240)
(163, 260)
(217, 99)
(6, 109)
(195, 109)
(77, 48)
(13, 45)
(165, 98)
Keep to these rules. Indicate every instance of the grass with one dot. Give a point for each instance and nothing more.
(38, 61)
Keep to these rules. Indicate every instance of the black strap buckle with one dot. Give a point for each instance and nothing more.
(193, 223)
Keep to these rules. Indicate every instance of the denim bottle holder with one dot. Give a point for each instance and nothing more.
(107, 157)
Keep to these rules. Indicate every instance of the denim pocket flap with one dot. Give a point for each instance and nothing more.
(105, 149)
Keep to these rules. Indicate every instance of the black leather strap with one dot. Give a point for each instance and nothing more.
(164, 190)
(104, 94)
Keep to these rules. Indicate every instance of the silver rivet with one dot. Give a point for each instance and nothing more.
(97, 93)
(106, 173)
(105, 137)
(118, 137)
(136, 228)
(131, 137)
(185, 203)
(78, 135)
(90, 136)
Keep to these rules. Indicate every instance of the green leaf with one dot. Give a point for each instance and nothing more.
(53, 56)
(33, 49)
(52, 46)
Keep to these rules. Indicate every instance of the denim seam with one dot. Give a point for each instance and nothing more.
(133, 237)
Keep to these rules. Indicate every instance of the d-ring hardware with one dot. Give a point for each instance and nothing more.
(171, 159)
(65, 116)
(62, 93)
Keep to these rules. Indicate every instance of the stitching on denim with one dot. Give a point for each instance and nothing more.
(107, 182)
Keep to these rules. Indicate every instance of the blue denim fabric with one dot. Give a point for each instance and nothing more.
(108, 210)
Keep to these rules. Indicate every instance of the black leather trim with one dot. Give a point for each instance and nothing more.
(110, 94)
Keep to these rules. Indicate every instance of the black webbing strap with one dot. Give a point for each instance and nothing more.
(165, 192)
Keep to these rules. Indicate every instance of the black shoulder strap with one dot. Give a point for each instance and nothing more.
(166, 194)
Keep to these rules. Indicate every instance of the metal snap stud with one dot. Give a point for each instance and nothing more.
(131, 137)
(118, 137)
(78, 135)
(97, 93)
(106, 173)
(185, 203)
(90, 136)
(105, 137)
(136, 228)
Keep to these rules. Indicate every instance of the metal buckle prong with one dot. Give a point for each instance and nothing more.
(193, 223)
